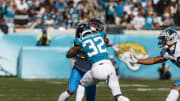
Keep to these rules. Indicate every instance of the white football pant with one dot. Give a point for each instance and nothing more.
(102, 71)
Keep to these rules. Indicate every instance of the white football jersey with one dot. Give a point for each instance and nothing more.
(172, 54)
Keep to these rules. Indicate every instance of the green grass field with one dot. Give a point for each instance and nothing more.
(14, 89)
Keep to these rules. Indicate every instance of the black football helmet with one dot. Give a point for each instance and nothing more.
(96, 25)
(82, 30)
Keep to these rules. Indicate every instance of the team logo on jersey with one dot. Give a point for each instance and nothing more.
(124, 50)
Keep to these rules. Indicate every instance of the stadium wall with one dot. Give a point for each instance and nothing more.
(19, 56)
(43, 62)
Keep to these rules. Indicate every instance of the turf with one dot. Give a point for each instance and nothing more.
(14, 89)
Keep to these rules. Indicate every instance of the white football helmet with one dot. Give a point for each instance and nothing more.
(168, 37)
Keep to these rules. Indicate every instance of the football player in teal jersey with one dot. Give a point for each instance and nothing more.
(95, 48)
(81, 65)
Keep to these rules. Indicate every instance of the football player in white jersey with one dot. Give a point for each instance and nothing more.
(170, 44)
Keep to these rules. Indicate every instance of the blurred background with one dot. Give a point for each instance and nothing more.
(66, 14)
(36, 34)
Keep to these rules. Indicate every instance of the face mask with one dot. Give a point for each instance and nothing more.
(93, 28)
(161, 41)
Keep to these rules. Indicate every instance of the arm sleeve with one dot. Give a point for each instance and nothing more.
(77, 42)
(167, 56)
(103, 34)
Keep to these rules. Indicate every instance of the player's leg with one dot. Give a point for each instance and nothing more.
(113, 84)
(87, 79)
(73, 85)
(109, 75)
(64, 95)
(104, 71)
(174, 93)
(100, 71)
(90, 93)
(80, 93)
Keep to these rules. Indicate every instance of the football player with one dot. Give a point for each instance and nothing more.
(96, 25)
(81, 66)
(95, 49)
(170, 44)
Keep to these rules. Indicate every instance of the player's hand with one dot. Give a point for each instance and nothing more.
(132, 58)
(167, 56)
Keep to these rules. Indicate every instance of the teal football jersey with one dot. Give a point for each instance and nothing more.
(93, 46)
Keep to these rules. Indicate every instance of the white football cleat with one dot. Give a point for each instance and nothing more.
(123, 98)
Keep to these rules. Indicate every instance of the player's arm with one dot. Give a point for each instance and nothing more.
(73, 51)
(149, 61)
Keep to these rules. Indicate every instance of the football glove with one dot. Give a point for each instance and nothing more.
(167, 56)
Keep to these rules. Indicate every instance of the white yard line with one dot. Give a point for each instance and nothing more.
(123, 85)
(56, 82)
(151, 89)
(48, 81)
(2, 95)
(133, 85)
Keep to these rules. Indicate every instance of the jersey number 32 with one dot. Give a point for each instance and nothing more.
(96, 45)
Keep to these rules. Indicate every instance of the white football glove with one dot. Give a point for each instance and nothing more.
(170, 57)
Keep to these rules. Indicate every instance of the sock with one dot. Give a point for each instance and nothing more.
(122, 98)
(173, 95)
(80, 93)
(64, 96)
